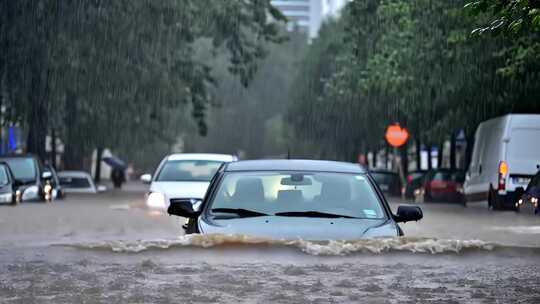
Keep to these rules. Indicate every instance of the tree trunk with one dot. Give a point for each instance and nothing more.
(37, 130)
(53, 148)
(37, 118)
(387, 156)
(453, 151)
(74, 150)
(440, 156)
(405, 159)
(99, 154)
(375, 158)
(418, 155)
(469, 151)
(430, 166)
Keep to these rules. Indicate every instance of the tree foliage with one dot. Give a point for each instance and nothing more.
(412, 62)
(97, 70)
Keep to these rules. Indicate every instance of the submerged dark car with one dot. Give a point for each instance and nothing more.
(414, 182)
(389, 182)
(294, 199)
(9, 193)
(531, 194)
(33, 180)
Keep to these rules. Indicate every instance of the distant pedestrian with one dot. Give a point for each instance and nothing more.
(118, 177)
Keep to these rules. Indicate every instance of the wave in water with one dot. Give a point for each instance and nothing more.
(319, 248)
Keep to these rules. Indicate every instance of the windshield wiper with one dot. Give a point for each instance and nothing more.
(314, 214)
(240, 212)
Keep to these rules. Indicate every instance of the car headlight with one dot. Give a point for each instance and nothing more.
(30, 193)
(156, 200)
(6, 198)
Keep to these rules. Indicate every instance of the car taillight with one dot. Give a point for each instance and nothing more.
(503, 171)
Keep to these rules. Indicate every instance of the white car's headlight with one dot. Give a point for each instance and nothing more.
(6, 198)
(156, 200)
(30, 193)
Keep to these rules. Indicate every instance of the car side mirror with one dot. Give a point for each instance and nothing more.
(520, 191)
(408, 213)
(185, 208)
(146, 178)
(46, 175)
(101, 188)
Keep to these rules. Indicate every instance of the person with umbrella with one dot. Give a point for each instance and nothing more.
(118, 176)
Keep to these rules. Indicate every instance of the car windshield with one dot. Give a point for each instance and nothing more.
(24, 169)
(75, 182)
(346, 195)
(188, 170)
(4, 180)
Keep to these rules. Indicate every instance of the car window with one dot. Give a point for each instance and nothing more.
(75, 182)
(188, 170)
(23, 169)
(4, 179)
(274, 192)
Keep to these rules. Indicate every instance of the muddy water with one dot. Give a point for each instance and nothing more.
(227, 269)
(110, 251)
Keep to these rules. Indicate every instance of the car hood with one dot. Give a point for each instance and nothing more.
(294, 228)
(180, 189)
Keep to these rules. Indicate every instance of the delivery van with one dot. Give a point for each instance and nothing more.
(506, 155)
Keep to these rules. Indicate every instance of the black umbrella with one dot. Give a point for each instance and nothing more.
(115, 162)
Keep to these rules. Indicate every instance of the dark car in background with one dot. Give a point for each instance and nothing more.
(444, 185)
(389, 182)
(414, 182)
(531, 194)
(9, 193)
(33, 180)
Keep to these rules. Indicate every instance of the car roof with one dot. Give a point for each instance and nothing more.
(73, 174)
(202, 156)
(294, 165)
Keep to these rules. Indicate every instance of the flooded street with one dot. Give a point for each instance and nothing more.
(108, 248)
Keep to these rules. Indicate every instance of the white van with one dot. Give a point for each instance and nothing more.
(505, 157)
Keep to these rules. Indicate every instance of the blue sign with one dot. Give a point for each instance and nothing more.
(12, 139)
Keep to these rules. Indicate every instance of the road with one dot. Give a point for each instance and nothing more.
(109, 248)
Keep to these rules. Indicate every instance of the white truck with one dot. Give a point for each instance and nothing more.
(505, 157)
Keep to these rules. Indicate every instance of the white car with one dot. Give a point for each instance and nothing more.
(505, 157)
(182, 176)
(78, 182)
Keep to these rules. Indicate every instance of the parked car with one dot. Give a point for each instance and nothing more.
(9, 193)
(33, 180)
(442, 185)
(531, 194)
(388, 181)
(415, 180)
(79, 182)
(294, 199)
(182, 176)
(505, 155)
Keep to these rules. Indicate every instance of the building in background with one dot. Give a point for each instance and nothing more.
(308, 15)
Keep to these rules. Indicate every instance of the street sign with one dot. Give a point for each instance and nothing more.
(396, 136)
